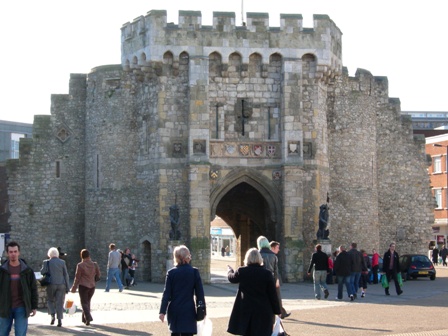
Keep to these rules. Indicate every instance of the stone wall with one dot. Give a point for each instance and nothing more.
(256, 124)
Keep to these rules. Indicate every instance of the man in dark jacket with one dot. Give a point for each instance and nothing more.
(18, 292)
(355, 273)
(444, 254)
(391, 267)
(319, 260)
(342, 268)
(275, 248)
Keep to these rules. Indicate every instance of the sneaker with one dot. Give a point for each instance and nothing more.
(326, 293)
(352, 297)
(400, 292)
(338, 298)
(363, 294)
(120, 290)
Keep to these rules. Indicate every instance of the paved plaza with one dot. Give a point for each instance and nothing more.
(421, 310)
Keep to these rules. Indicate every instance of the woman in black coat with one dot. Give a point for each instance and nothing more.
(181, 284)
(256, 302)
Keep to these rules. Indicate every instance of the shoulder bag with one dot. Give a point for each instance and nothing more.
(200, 307)
(46, 279)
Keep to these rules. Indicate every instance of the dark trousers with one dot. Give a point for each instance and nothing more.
(444, 261)
(363, 280)
(181, 334)
(85, 295)
(343, 280)
(280, 301)
(375, 274)
(392, 274)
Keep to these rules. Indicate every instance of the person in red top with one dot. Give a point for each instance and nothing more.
(330, 267)
(375, 265)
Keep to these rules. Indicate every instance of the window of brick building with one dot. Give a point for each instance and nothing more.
(438, 197)
(437, 164)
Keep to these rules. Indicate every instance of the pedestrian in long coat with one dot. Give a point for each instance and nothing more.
(182, 283)
(256, 302)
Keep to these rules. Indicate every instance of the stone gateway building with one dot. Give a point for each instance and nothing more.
(256, 124)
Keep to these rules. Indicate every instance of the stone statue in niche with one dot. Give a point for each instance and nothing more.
(199, 146)
(323, 232)
(174, 220)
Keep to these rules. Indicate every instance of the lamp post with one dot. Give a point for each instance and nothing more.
(446, 172)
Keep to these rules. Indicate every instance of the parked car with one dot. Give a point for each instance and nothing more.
(414, 266)
(380, 268)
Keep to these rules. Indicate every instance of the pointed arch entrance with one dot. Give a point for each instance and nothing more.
(251, 205)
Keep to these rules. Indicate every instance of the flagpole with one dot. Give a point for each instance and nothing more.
(242, 12)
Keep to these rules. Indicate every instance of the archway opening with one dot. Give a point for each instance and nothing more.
(247, 212)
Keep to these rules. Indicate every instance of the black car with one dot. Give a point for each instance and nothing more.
(414, 266)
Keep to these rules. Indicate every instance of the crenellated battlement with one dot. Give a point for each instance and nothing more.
(147, 38)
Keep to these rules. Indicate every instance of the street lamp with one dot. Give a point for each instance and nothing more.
(446, 172)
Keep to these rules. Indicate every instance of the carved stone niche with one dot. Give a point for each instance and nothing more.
(178, 149)
(294, 148)
(307, 150)
(199, 146)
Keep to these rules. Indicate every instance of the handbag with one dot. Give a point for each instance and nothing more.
(200, 311)
(97, 274)
(46, 279)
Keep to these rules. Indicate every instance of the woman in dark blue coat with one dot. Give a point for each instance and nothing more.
(182, 283)
(256, 302)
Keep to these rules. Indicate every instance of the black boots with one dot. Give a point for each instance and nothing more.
(52, 319)
(59, 323)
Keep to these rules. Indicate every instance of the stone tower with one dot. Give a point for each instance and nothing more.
(255, 124)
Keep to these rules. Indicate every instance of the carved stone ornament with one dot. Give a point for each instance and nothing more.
(244, 150)
(63, 135)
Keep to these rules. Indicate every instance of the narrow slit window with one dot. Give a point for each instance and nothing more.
(58, 169)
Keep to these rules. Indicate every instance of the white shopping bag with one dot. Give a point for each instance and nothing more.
(278, 328)
(205, 327)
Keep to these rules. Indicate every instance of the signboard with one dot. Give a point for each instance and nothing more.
(441, 239)
(215, 231)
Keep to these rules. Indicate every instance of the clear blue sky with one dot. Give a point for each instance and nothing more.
(44, 41)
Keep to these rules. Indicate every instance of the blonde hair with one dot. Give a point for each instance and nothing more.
(263, 242)
(253, 257)
(53, 252)
(181, 255)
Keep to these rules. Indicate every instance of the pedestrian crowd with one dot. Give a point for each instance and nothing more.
(257, 306)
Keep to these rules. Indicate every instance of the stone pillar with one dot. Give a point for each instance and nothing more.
(199, 167)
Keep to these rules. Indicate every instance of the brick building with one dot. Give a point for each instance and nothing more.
(437, 149)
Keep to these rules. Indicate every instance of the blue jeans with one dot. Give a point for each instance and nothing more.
(354, 282)
(341, 281)
(20, 322)
(320, 282)
(113, 273)
(125, 274)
